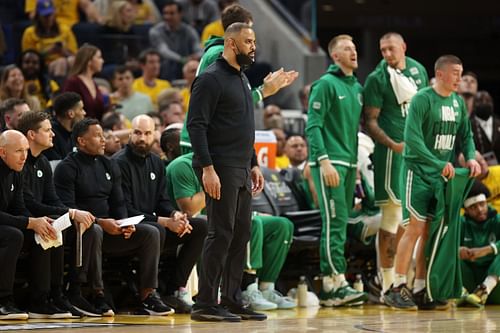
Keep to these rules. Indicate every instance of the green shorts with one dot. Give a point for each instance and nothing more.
(418, 198)
(387, 168)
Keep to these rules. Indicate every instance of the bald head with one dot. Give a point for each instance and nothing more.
(13, 149)
(143, 136)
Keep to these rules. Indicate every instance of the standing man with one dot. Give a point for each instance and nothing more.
(221, 127)
(436, 117)
(333, 119)
(387, 94)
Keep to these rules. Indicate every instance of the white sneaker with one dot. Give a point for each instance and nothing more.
(253, 297)
(274, 296)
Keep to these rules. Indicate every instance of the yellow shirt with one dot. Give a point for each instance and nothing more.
(140, 86)
(212, 29)
(35, 89)
(142, 13)
(186, 95)
(492, 182)
(66, 37)
(282, 162)
(66, 10)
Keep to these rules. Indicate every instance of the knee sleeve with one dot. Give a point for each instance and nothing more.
(392, 216)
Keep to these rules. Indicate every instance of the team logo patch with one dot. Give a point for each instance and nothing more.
(108, 176)
(414, 71)
(455, 103)
(39, 173)
(12, 188)
(152, 175)
(316, 105)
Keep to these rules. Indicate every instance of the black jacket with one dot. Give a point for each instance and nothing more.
(221, 118)
(90, 183)
(12, 209)
(63, 143)
(144, 184)
(39, 193)
(483, 144)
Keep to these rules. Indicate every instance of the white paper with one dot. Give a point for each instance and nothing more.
(59, 225)
(130, 221)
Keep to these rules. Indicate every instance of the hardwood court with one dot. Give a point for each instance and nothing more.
(370, 318)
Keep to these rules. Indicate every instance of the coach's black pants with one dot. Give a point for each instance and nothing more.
(11, 243)
(229, 221)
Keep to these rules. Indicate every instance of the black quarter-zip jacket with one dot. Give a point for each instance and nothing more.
(91, 183)
(221, 118)
(12, 209)
(144, 184)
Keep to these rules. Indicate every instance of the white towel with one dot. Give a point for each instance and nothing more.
(404, 87)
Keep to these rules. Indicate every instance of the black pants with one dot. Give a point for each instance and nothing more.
(229, 222)
(46, 268)
(11, 243)
(179, 255)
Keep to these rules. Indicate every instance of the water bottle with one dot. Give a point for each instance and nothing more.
(358, 283)
(302, 292)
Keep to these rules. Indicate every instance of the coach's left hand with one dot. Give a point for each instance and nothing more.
(257, 180)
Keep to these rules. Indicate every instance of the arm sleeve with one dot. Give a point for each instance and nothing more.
(64, 181)
(204, 97)
(414, 136)
(29, 40)
(70, 40)
(161, 46)
(319, 103)
(184, 182)
(51, 204)
(195, 42)
(465, 134)
(116, 201)
(18, 214)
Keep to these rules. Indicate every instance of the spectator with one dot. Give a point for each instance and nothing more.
(215, 28)
(176, 41)
(12, 85)
(88, 62)
(273, 117)
(199, 13)
(149, 83)
(468, 89)
(172, 113)
(67, 11)
(486, 127)
(282, 161)
(37, 80)
(189, 74)
(170, 95)
(145, 11)
(55, 41)
(128, 102)
(12, 109)
(296, 151)
(112, 143)
(68, 109)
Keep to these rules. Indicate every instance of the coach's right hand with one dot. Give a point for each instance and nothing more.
(329, 173)
(211, 182)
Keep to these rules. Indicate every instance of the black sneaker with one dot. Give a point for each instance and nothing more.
(9, 311)
(422, 300)
(213, 313)
(244, 312)
(102, 307)
(82, 305)
(177, 304)
(442, 305)
(63, 303)
(399, 298)
(45, 309)
(154, 306)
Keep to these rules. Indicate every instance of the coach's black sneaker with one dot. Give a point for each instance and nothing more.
(63, 303)
(244, 312)
(43, 308)
(177, 303)
(422, 300)
(154, 306)
(82, 305)
(213, 313)
(400, 298)
(9, 311)
(102, 306)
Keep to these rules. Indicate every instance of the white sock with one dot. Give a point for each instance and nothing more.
(490, 282)
(266, 286)
(327, 283)
(399, 279)
(387, 278)
(339, 281)
(418, 285)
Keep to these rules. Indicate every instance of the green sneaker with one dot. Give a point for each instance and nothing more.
(326, 298)
(348, 296)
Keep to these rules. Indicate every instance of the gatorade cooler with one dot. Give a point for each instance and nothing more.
(265, 148)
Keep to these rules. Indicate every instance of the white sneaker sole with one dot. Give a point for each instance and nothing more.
(15, 316)
(63, 315)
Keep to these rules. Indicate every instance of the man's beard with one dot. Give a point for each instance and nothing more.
(141, 150)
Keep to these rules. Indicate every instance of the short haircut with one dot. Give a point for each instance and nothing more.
(64, 102)
(172, 3)
(9, 104)
(143, 56)
(392, 34)
(121, 69)
(445, 60)
(470, 73)
(236, 28)
(335, 40)
(110, 119)
(82, 127)
(167, 137)
(31, 120)
(233, 14)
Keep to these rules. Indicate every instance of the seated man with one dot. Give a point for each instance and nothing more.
(296, 151)
(271, 236)
(86, 179)
(47, 266)
(144, 188)
(479, 248)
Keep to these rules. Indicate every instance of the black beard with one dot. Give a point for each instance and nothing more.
(140, 150)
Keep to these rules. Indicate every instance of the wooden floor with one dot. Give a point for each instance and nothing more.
(372, 318)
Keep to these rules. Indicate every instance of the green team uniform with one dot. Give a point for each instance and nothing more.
(333, 118)
(434, 123)
(476, 234)
(271, 236)
(378, 93)
(213, 48)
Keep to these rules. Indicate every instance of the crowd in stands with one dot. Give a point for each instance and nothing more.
(93, 131)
